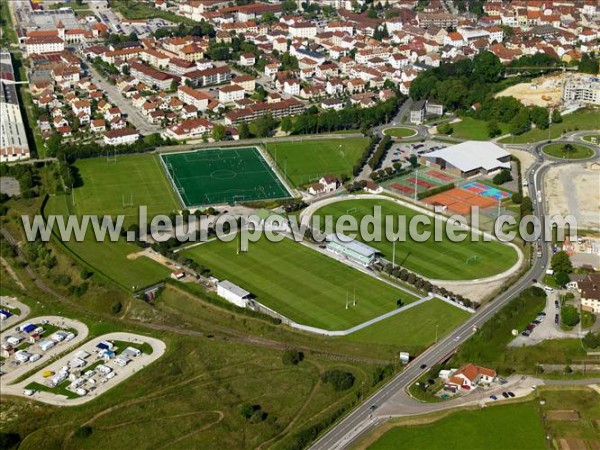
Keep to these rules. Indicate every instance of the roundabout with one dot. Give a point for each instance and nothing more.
(568, 151)
(400, 132)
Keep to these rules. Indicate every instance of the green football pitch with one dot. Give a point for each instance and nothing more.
(119, 186)
(215, 176)
(305, 161)
(302, 284)
(445, 259)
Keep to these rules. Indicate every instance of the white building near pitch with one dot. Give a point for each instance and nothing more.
(233, 293)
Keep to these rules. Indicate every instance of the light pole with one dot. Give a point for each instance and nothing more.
(436, 333)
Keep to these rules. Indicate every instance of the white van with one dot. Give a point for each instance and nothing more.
(548, 289)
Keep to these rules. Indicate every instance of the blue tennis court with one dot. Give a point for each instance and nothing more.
(485, 190)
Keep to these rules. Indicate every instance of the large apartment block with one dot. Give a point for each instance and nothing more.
(585, 89)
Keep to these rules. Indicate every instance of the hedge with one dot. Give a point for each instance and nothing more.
(436, 190)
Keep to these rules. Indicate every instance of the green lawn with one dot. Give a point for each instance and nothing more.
(578, 152)
(586, 119)
(300, 283)
(438, 260)
(414, 329)
(110, 258)
(507, 427)
(306, 161)
(137, 10)
(400, 132)
(473, 129)
(592, 138)
(107, 184)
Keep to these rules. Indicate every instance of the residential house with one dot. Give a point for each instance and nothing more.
(122, 136)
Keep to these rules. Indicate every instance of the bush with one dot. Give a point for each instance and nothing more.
(116, 307)
(292, 357)
(591, 340)
(503, 177)
(517, 198)
(569, 315)
(339, 379)
(85, 274)
(9, 440)
(83, 432)
(445, 128)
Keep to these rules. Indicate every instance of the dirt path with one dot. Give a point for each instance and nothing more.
(12, 273)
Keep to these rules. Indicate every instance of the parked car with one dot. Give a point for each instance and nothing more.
(511, 394)
(493, 397)
(505, 395)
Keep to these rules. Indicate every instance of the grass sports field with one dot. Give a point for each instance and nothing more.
(212, 176)
(557, 151)
(507, 427)
(305, 161)
(110, 258)
(300, 283)
(439, 260)
(113, 188)
(119, 187)
(413, 330)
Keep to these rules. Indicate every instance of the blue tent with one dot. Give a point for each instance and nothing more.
(29, 328)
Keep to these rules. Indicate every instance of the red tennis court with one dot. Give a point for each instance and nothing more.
(402, 188)
(422, 183)
(440, 176)
(460, 201)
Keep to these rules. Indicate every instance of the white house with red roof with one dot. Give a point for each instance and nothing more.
(470, 376)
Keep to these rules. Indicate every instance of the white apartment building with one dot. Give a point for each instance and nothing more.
(191, 96)
(231, 93)
(584, 89)
(44, 44)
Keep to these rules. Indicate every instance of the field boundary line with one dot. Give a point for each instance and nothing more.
(171, 180)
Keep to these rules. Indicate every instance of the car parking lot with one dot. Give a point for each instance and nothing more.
(35, 342)
(401, 152)
(91, 369)
(545, 326)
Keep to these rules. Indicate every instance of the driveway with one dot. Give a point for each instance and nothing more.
(114, 96)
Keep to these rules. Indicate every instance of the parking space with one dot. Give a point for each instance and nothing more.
(35, 342)
(401, 152)
(545, 326)
(91, 369)
(12, 311)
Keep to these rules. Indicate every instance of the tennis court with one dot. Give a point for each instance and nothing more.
(217, 176)
(486, 191)
(460, 201)
(421, 181)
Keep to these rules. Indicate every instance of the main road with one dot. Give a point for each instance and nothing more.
(360, 420)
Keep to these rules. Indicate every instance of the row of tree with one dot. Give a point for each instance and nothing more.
(378, 155)
(364, 157)
(313, 122)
